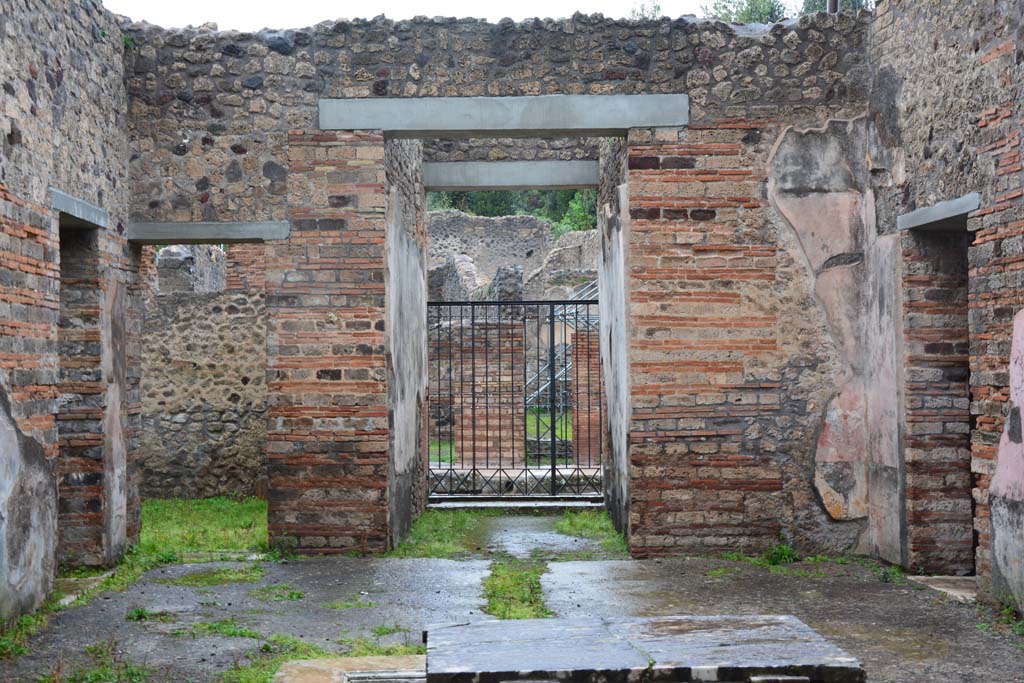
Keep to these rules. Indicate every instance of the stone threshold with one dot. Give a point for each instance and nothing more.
(405, 669)
(961, 588)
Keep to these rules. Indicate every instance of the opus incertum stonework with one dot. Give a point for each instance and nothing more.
(810, 281)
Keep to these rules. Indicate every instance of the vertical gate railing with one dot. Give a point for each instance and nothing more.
(515, 398)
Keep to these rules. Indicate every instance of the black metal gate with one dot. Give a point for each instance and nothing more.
(515, 399)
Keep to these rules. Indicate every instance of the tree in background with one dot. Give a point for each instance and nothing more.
(811, 6)
(646, 10)
(565, 210)
(747, 11)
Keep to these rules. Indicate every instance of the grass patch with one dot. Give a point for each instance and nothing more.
(170, 529)
(207, 525)
(513, 590)
(354, 603)
(276, 592)
(366, 647)
(250, 573)
(538, 423)
(385, 630)
(270, 656)
(107, 666)
(593, 524)
(442, 452)
(441, 533)
(14, 638)
(229, 628)
(143, 614)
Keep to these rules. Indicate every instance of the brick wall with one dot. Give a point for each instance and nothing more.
(327, 433)
(82, 387)
(951, 117)
(720, 390)
(936, 436)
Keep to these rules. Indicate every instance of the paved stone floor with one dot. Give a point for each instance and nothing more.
(901, 632)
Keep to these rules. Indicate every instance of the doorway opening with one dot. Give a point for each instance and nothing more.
(515, 400)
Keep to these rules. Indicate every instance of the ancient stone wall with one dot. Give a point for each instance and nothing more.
(204, 396)
(490, 242)
(947, 117)
(63, 113)
(211, 110)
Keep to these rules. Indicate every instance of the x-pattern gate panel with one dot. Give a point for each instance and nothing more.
(515, 399)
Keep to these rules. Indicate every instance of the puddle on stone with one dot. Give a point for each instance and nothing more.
(907, 643)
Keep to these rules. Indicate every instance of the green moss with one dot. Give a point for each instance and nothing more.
(593, 524)
(513, 590)
(355, 603)
(442, 534)
(276, 592)
(265, 662)
(218, 577)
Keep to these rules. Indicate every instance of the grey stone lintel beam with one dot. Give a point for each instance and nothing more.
(510, 175)
(82, 212)
(946, 215)
(538, 116)
(218, 232)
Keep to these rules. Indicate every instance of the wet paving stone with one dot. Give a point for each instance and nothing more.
(623, 650)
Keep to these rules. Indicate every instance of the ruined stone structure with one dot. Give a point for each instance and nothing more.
(783, 279)
(204, 394)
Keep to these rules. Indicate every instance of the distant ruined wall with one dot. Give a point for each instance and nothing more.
(204, 392)
(68, 392)
(490, 242)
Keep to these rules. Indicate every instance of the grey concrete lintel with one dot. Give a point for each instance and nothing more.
(510, 175)
(535, 116)
(217, 232)
(942, 216)
(85, 214)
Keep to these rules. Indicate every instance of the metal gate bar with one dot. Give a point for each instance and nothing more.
(515, 398)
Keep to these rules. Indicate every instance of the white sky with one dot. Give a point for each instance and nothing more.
(252, 15)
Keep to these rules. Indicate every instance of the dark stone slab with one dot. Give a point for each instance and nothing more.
(729, 649)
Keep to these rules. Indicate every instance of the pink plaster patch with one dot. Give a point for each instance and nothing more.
(844, 436)
(826, 223)
(1008, 481)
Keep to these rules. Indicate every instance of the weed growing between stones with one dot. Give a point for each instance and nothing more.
(442, 534)
(229, 628)
(593, 524)
(265, 662)
(249, 573)
(356, 602)
(276, 592)
(108, 666)
(367, 647)
(386, 630)
(513, 590)
(143, 614)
